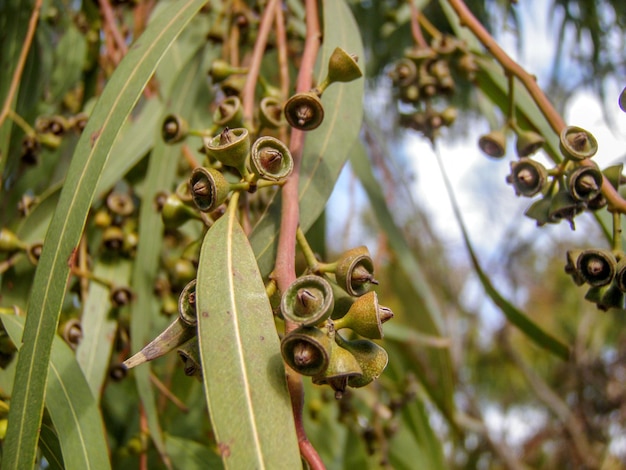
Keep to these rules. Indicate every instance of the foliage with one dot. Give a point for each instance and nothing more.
(148, 209)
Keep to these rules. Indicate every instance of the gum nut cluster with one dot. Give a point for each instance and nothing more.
(322, 307)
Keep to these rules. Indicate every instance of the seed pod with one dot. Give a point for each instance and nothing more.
(571, 267)
(606, 297)
(270, 113)
(371, 358)
(220, 70)
(365, 317)
(493, 143)
(528, 142)
(231, 147)
(10, 242)
(187, 305)
(270, 159)
(404, 73)
(189, 354)
(304, 111)
(527, 176)
(306, 350)
(208, 187)
(343, 67)
(419, 54)
(584, 183)
(33, 253)
(229, 113)
(113, 238)
(342, 367)
(355, 271)
(622, 100)
(175, 213)
(174, 129)
(120, 203)
(172, 337)
(540, 210)
(564, 207)
(72, 332)
(620, 274)
(308, 300)
(597, 267)
(120, 296)
(577, 143)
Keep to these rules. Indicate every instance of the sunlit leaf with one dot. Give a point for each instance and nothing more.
(243, 372)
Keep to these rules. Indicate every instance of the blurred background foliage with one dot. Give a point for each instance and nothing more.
(463, 388)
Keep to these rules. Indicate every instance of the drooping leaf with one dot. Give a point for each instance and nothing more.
(189, 455)
(243, 371)
(117, 100)
(72, 407)
(326, 148)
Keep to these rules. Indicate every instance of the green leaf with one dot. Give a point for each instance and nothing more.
(117, 100)
(326, 148)
(243, 372)
(161, 175)
(71, 406)
(94, 351)
(190, 455)
(50, 446)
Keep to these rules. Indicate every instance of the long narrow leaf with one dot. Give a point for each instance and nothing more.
(512, 313)
(72, 407)
(92, 151)
(243, 372)
(161, 176)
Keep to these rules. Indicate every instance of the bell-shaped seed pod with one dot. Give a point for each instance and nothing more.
(174, 129)
(113, 238)
(445, 44)
(56, 125)
(308, 300)
(233, 85)
(231, 147)
(419, 54)
(306, 350)
(172, 337)
(229, 113)
(365, 317)
(31, 149)
(342, 366)
(208, 187)
(622, 100)
(175, 212)
(606, 297)
(79, 121)
(467, 66)
(620, 274)
(10, 242)
(540, 211)
(449, 115)
(527, 176)
(584, 183)
(270, 113)
(404, 73)
(597, 267)
(597, 203)
(187, 305)
(528, 142)
(371, 358)
(181, 272)
(270, 159)
(189, 354)
(427, 83)
(409, 94)
(577, 143)
(493, 144)
(184, 194)
(72, 332)
(304, 111)
(33, 253)
(571, 267)
(120, 296)
(120, 203)
(564, 207)
(220, 70)
(355, 271)
(343, 67)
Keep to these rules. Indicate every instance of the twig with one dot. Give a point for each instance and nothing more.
(255, 63)
(109, 20)
(284, 271)
(167, 393)
(467, 19)
(415, 26)
(17, 75)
